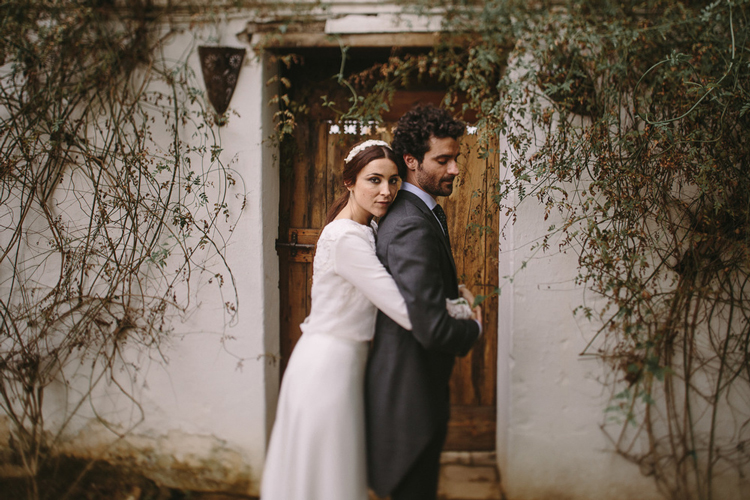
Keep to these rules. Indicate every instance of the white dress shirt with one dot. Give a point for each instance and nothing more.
(425, 197)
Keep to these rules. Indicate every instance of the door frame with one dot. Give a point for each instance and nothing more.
(308, 41)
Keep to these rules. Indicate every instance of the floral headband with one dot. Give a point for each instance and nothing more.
(361, 147)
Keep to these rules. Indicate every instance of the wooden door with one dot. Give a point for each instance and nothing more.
(312, 181)
(473, 226)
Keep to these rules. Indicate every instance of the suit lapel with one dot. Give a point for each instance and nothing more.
(432, 221)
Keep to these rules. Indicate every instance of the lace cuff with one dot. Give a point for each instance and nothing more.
(458, 308)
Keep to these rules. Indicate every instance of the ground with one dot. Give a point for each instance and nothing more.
(463, 476)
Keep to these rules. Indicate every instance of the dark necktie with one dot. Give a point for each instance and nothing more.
(440, 214)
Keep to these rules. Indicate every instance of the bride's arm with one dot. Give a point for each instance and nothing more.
(356, 262)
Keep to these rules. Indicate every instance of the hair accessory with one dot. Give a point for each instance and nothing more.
(361, 147)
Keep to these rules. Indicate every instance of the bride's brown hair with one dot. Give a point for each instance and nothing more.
(352, 168)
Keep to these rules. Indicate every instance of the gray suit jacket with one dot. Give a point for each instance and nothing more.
(406, 389)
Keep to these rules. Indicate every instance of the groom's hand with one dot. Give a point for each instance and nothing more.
(478, 317)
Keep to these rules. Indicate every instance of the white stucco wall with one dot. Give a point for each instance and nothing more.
(203, 391)
(555, 438)
(551, 401)
(202, 407)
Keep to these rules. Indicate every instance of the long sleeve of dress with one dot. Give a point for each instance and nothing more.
(356, 262)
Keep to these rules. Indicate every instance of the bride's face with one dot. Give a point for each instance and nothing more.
(375, 188)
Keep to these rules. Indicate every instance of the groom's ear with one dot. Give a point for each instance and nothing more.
(411, 162)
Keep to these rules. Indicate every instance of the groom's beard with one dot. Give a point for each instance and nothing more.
(433, 184)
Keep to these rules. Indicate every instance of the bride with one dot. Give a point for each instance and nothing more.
(317, 446)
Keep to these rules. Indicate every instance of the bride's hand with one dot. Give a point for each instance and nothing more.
(466, 294)
(477, 311)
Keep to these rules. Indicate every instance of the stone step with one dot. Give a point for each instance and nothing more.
(467, 476)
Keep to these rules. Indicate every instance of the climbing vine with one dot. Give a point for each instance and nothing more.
(629, 123)
(114, 207)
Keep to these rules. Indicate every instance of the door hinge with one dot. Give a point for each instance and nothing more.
(292, 244)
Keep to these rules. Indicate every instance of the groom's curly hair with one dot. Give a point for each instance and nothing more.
(414, 129)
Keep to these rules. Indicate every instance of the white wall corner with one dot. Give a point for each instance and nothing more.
(270, 224)
(506, 264)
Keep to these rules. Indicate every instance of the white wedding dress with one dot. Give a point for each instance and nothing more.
(317, 447)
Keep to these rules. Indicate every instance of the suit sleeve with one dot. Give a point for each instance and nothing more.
(413, 256)
(356, 262)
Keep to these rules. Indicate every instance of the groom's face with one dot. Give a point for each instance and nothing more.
(436, 172)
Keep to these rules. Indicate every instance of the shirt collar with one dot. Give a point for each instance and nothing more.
(426, 198)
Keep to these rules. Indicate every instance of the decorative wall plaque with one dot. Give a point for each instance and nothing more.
(221, 68)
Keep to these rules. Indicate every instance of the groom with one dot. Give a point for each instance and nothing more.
(407, 399)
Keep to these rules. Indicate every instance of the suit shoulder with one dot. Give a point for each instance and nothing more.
(412, 227)
(401, 209)
(401, 219)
